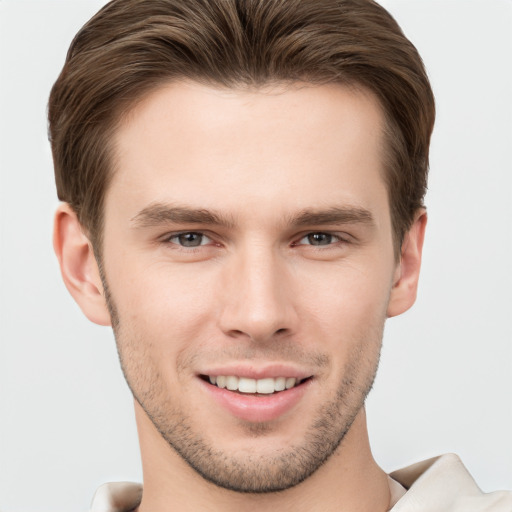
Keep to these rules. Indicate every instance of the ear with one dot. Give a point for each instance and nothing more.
(407, 273)
(78, 265)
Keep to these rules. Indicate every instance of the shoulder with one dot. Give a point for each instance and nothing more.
(116, 497)
(445, 485)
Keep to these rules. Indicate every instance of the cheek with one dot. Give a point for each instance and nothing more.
(163, 306)
(178, 306)
(348, 297)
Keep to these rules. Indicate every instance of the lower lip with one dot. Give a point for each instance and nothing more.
(257, 408)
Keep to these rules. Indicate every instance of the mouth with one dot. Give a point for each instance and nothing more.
(247, 386)
(257, 395)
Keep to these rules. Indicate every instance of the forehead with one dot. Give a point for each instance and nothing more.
(298, 146)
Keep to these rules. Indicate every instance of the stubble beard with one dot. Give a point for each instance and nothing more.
(248, 473)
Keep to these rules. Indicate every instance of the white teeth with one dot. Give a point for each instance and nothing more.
(232, 383)
(246, 385)
(290, 382)
(280, 384)
(265, 386)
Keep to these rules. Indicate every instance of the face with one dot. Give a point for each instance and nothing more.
(249, 261)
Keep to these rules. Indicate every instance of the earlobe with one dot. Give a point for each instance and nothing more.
(405, 286)
(78, 265)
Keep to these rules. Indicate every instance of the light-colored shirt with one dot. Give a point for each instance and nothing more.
(441, 484)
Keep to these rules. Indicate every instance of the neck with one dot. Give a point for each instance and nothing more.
(350, 480)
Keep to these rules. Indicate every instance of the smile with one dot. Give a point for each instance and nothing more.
(264, 386)
(266, 395)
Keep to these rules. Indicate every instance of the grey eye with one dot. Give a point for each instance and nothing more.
(319, 238)
(189, 239)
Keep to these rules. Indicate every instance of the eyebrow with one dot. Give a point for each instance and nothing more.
(333, 215)
(157, 214)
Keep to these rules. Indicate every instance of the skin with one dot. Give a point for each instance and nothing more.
(256, 292)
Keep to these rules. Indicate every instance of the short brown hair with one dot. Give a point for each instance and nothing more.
(130, 47)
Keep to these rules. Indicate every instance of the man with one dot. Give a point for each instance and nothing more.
(242, 187)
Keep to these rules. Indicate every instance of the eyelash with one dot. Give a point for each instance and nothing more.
(168, 240)
(338, 239)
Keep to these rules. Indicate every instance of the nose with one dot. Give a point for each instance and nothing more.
(257, 297)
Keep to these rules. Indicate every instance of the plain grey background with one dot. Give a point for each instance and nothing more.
(445, 381)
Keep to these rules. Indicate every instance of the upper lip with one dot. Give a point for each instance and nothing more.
(257, 371)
